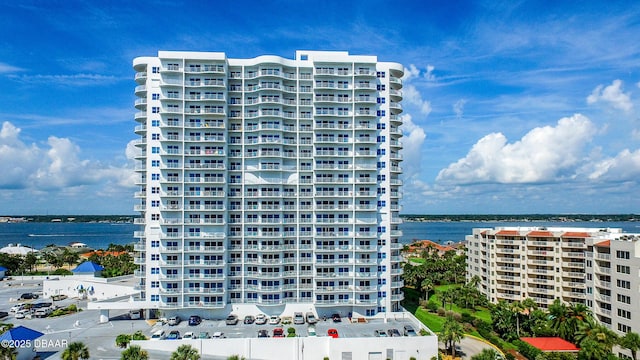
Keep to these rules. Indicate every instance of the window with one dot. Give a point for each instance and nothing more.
(622, 254)
(623, 284)
(155, 271)
(623, 269)
(155, 109)
(155, 69)
(381, 100)
(155, 284)
(155, 123)
(381, 74)
(624, 313)
(381, 87)
(155, 297)
(624, 299)
(381, 113)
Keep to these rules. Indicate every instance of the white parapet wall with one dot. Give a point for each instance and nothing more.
(307, 348)
(87, 287)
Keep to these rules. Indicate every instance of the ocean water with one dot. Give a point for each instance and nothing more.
(100, 235)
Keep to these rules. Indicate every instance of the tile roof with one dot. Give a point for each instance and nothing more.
(540, 233)
(576, 234)
(508, 232)
(550, 344)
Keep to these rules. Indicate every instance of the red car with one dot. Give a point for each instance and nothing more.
(333, 333)
(278, 333)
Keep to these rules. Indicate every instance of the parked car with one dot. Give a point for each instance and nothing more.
(311, 331)
(41, 305)
(135, 314)
(393, 332)
(174, 335)
(232, 319)
(311, 318)
(16, 308)
(218, 335)
(336, 318)
(278, 333)
(298, 319)
(158, 335)
(58, 297)
(249, 319)
(333, 333)
(408, 331)
(261, 319)
(28, 296)
(3, 314)
(274, 320)
(263, 333)
(174, 320)
(42, 312)
(21, 314)
(380, 333)
(188, 335)
(194, 320)
(204, 335)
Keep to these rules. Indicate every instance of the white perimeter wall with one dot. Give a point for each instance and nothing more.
(102, 288)
(306, 348)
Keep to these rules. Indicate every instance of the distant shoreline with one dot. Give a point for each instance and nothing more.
(128, 219)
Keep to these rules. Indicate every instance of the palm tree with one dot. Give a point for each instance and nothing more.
(451, 334)
(486, 354)
(504, 322)
(594, 339)
(8, 353)
(185, 352)
(75, 351)
(517, 309)
(558, 315)
(134, 352)
(426, 286)
(631, 341)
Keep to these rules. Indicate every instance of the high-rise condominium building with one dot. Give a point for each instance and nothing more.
(269, 182)
(593, 266)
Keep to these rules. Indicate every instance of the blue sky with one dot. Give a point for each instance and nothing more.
(510, 107)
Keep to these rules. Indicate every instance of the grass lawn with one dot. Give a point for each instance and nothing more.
(480, 312)
(432, 321)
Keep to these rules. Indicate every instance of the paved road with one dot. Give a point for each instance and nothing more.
(471, 346)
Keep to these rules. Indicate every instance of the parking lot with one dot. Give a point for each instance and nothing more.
(84, 326)
(241, 330)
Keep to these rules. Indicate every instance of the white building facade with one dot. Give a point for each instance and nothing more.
(597, 267)
(268, 182)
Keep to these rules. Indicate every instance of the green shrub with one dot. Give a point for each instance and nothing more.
(527, 350)
(433, 306)
(62, 272)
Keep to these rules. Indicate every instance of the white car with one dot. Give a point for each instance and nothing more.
(21, 314)
(218, 335)
(16, 308)
(274, 320)
(261, 319)
(158, 335)
(188, 335)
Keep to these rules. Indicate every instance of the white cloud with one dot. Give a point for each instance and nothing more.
(458, 108)
(6, 68)
(429, 74)
(412, 96)
(55, 166)
(544, 154)
(410, 73)
(623, 167)
(414, 137)
(69, 80)
(612, 94)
